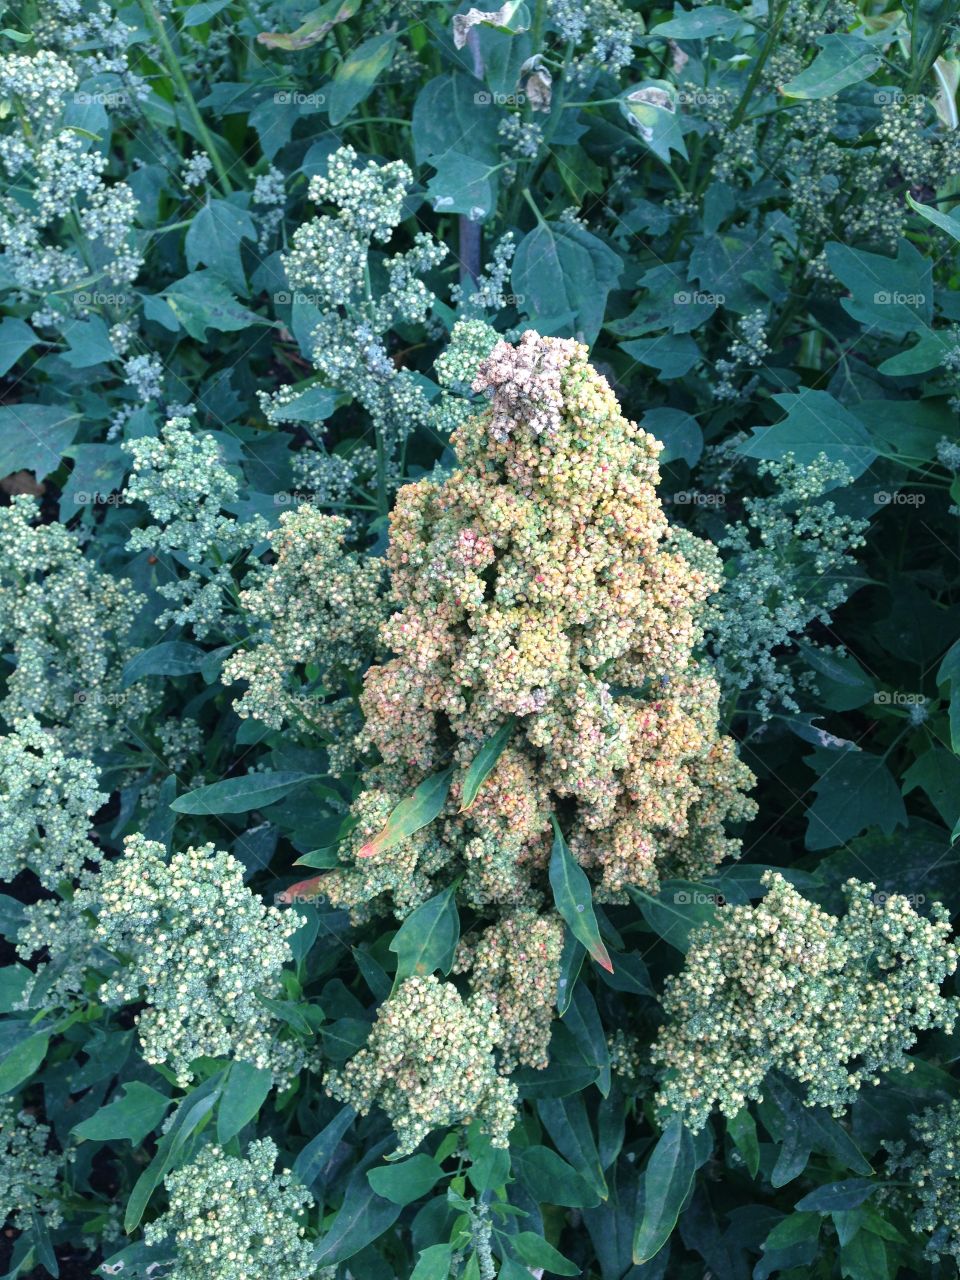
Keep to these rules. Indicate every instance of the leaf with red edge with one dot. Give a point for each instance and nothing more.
(412, 813)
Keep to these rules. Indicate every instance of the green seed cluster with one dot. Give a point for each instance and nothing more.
(182, 479)
(321, 606)
(64, 625)
(785, 985)
(429, 1064)
(931, 1167)
(233, 1218)
(516, 964)
(201, 948)
(29, 1177)
(47, 801)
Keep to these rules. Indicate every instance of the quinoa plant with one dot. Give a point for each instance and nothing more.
(479, 640)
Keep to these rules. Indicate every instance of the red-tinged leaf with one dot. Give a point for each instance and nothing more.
(411, 814)
(574, 901)
(302, 891)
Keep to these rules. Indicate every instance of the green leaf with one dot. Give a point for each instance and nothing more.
(462, 184)
(34, 437)
(805, 1130)
(855, 791)
(837, 1196)
(948, 222)
(568, 1124)
(815, 423)
(406, 1181)
(243, 1095)
(483, 762)
(190, 1114)
(202, 12)
(199, 302)
(937, 772)
(23, 1060)
(362, 1217)
(240, 795)
(357, 74)
(700, 24)
(893, 296)
(89, 343)
(550, 1180)
(132, 1117)
(742, 1129)
(412, 813)
(433, 1263)
(213, 239)
(651, 109)
(16, 337)
(844, 59)
(679, 433)
(169, 658)
(666, 1184)
(574, 901)
(948, 675)
(864, 1258)
(679, 908)
(427, 939)
(313, 1160)
(671, 354)
(536, 1252)
(562, 275)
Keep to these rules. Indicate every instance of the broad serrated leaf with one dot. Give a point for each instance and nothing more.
(130, 1117)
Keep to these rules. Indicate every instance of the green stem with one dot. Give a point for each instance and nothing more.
(180, 80)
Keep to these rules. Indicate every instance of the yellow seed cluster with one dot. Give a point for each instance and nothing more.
(541, 580)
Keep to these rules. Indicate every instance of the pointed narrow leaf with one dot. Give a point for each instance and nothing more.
(666, 1183)
(243, 1095)
(416, 811)
(483, 762)
(571, 893)
(427, 939)
(240, 795)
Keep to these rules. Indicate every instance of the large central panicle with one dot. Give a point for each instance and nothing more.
(542, 586)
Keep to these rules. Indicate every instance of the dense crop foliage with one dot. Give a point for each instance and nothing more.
(479, 640)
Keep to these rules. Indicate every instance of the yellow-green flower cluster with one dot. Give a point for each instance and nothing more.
(541, 581)
(47, 802)
(28, 1175)
(931, 1170)
(785, 985)
(516, 964)
(321, 607)
(202, 949)
(64, 624)
(429, 1064)
(233, 1218)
